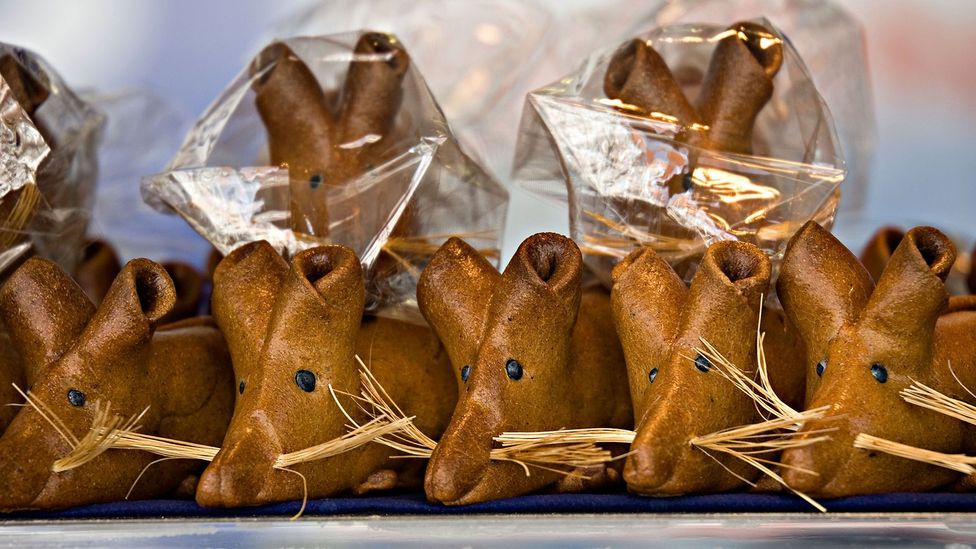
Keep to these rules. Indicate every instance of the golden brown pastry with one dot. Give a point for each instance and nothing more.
(532, 351)
(11, 372)
(75, 355)
(878, 250)
(864, 345)
(324, 145)
(294, 331)
(17, 207)
(97, 270)
(188, 283)
(676, 395)
(738, 84)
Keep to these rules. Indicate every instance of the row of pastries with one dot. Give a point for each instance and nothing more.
(263, 400)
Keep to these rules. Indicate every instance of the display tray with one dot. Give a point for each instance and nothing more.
(415, 504)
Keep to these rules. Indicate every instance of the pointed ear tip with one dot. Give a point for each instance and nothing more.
(258, 248)
(456, 247)
(938, 250)
(153, 285)
(641, 255)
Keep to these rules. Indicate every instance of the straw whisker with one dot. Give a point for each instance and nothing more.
(956, 462)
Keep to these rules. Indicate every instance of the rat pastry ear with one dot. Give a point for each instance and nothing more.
(738, 84)
(324, 283)
(647, 299)
(245, 284)
(138, 299)
(293, 108)
(639, 77)
(821, 286)
(911, 293)
(547, 263)
(372, 91)
(45, 311)
(453, 293)
(879, 248)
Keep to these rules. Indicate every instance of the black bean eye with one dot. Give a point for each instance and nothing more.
(687, 182)
(879, 372)
(513, 369)
(305, 380)
(821, 366)
(240, 388)
(652, 375)
(76, 397)
(465, 372)
(315, 181)
(702, 363)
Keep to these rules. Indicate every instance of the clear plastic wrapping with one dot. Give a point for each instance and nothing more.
(48, 152)
(832, 44)
(334, 139)
(682, 137)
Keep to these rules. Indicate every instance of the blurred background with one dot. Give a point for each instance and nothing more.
(177, 55)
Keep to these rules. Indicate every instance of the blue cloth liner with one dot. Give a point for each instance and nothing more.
(415, 504)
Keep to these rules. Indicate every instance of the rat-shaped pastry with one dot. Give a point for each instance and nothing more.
(532, 351)
(75, 355)
(321, 144)
(676, 395)
(17, 206)
(294, 331)
(864, 345)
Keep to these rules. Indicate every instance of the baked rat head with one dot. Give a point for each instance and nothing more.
(294, 330)
(532, 351)
(864, 345)
(676, 395)
(75, 355)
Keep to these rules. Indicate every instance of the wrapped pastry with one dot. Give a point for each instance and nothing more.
(294, 332)
(867, 343)
(676, 396)
(78, 359)
(682, 137)
(48, 164)
(323, 145)
(334, 140)
(532, 351)
(737, 85)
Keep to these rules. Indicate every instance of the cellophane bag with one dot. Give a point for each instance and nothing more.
(334, 139)
(48, 145)
(682, 137)
(831, 42)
